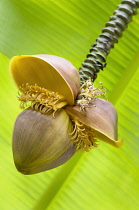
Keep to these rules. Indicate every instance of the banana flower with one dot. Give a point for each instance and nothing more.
(60, 116)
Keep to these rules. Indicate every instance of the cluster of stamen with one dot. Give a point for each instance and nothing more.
(83, 136)
(44, 100)
(89, 93)
(40, 99)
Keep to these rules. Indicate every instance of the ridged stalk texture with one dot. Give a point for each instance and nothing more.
(96, 58)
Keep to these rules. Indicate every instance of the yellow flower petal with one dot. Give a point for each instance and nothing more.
(47, 71)
(102, 117)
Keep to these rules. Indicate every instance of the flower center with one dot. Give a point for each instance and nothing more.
(40, 99)
(89, 93)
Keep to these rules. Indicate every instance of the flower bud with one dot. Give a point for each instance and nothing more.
(41, 142)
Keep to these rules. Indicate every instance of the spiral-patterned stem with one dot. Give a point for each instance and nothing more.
(96, 59)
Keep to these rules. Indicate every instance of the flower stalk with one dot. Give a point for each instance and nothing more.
(96, 58)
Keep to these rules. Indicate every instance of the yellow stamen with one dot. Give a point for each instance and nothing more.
(83, 136)
(40, 99)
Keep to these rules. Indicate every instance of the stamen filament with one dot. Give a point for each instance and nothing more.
(40, 99)
(89, 93)
(83, 136)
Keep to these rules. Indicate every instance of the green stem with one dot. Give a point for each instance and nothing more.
(96, 59)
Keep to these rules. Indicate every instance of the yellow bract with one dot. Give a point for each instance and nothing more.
(48, 71)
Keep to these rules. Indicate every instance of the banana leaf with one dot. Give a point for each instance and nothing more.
(106, 177)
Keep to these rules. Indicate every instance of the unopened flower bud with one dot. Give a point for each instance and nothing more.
(41, 142)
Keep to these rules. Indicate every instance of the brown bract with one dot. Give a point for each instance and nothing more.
(101, 116)
(41, 142)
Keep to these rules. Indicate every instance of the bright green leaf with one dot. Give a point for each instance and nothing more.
(104, 178)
